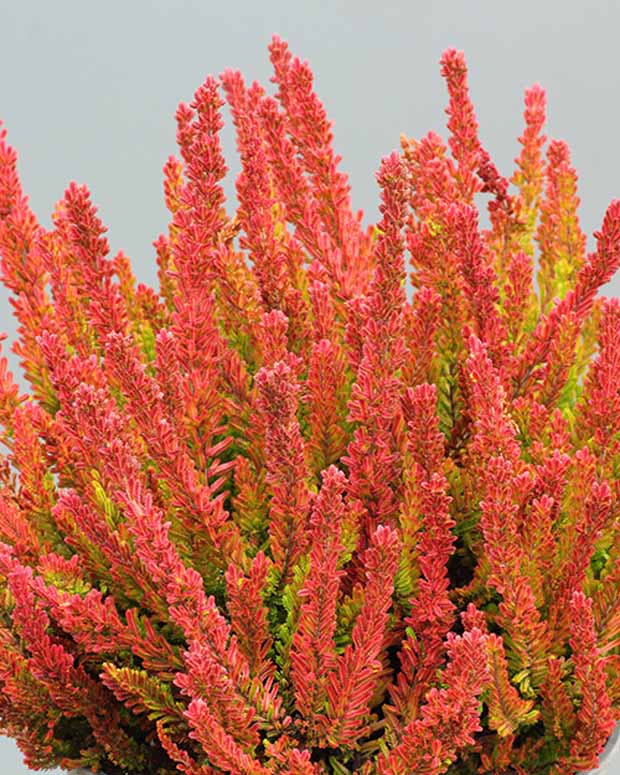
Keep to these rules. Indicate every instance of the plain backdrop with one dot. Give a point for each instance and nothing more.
(88, 92)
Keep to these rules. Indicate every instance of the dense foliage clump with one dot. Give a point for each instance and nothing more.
(282, 517)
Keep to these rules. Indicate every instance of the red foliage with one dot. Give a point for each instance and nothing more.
(279, 518)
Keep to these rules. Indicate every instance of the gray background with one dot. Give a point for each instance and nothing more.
(88, 92)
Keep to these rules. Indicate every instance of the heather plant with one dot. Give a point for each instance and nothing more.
(334, 498)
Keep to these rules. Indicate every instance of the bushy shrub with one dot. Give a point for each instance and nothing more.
(283, 515)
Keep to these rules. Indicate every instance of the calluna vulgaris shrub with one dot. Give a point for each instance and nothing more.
(279, 517)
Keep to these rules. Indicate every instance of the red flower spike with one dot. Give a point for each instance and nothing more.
(462, 123)
(530, 175)
(254, 191)
(588, 526)
(311, 133)
(351, 684)
(472, 618)
(23, 271)
(518, 290)
(28, 455)
(248, 614)
(479, 279)
(323, 310)
(326, 398)
(560, 239)
(494, 430)
(432, 612)
(422, 322)
(273, 339)
(300, 208)
(595, 719)
(198, 128)
(9, 394)
(557, 709)
(374, 403)
(313, 652)
(220, 747)
(287, 471)
(77, 223)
